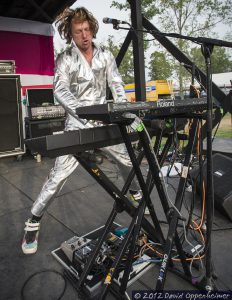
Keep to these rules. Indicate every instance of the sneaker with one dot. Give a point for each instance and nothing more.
(30, 239)
(136, 196)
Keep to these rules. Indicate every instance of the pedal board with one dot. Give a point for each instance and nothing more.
(73, 254)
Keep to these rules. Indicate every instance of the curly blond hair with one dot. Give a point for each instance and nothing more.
(80, 14)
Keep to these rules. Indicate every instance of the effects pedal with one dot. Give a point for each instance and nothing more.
(70, 246)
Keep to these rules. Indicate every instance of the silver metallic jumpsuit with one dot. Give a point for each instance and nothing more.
(76, 84)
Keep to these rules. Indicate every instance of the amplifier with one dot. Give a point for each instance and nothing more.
(46, 112)
(37, 128)
(222, 176)
(11, 123)
(41, 104)
(7, 66)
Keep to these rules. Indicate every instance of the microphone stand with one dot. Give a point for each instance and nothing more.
(207, 50)
(198, 40)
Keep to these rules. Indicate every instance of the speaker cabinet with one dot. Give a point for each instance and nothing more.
(36, 128)
(11, 125)
(222, 176)
(222, 182)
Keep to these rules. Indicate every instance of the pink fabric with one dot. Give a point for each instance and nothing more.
(33, 53)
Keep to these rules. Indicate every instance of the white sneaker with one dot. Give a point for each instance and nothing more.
(30, 239)
(136, 197)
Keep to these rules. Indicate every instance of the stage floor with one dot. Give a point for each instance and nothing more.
(81, 207)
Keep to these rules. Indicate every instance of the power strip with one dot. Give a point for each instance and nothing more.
(137, 269)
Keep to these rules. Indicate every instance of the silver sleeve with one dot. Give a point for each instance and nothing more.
(61, 85)
(115, 80)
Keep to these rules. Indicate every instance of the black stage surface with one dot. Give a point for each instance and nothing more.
(82, 206)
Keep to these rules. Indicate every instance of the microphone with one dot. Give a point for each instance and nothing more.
(113, 21)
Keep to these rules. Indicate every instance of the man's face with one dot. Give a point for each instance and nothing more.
(82, 35)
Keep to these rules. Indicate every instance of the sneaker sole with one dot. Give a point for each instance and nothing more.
(29, 251)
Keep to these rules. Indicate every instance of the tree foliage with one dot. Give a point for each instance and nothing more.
(193, 17)
(186, 17)
(148, 10)
(160, 66)
(220, 59)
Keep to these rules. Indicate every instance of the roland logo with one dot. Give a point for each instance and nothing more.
(162, 103)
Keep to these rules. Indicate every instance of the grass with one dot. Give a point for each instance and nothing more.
(225, 128)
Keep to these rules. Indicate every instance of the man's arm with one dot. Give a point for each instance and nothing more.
(114, 79)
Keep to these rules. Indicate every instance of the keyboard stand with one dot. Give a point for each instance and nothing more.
(121, 203)
(135, 225)
(171, 214)
(137, 217)
(153, 179)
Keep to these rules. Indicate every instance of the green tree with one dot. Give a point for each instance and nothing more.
(184, 15)
(160, 66)
(126, 68)
(220, 60)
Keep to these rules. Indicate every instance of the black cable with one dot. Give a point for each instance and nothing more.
(142, 39)
(194, 189)
(193, 199)
(189, 210)
(44, 271)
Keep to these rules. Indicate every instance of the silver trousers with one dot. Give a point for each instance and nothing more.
(65, 165)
